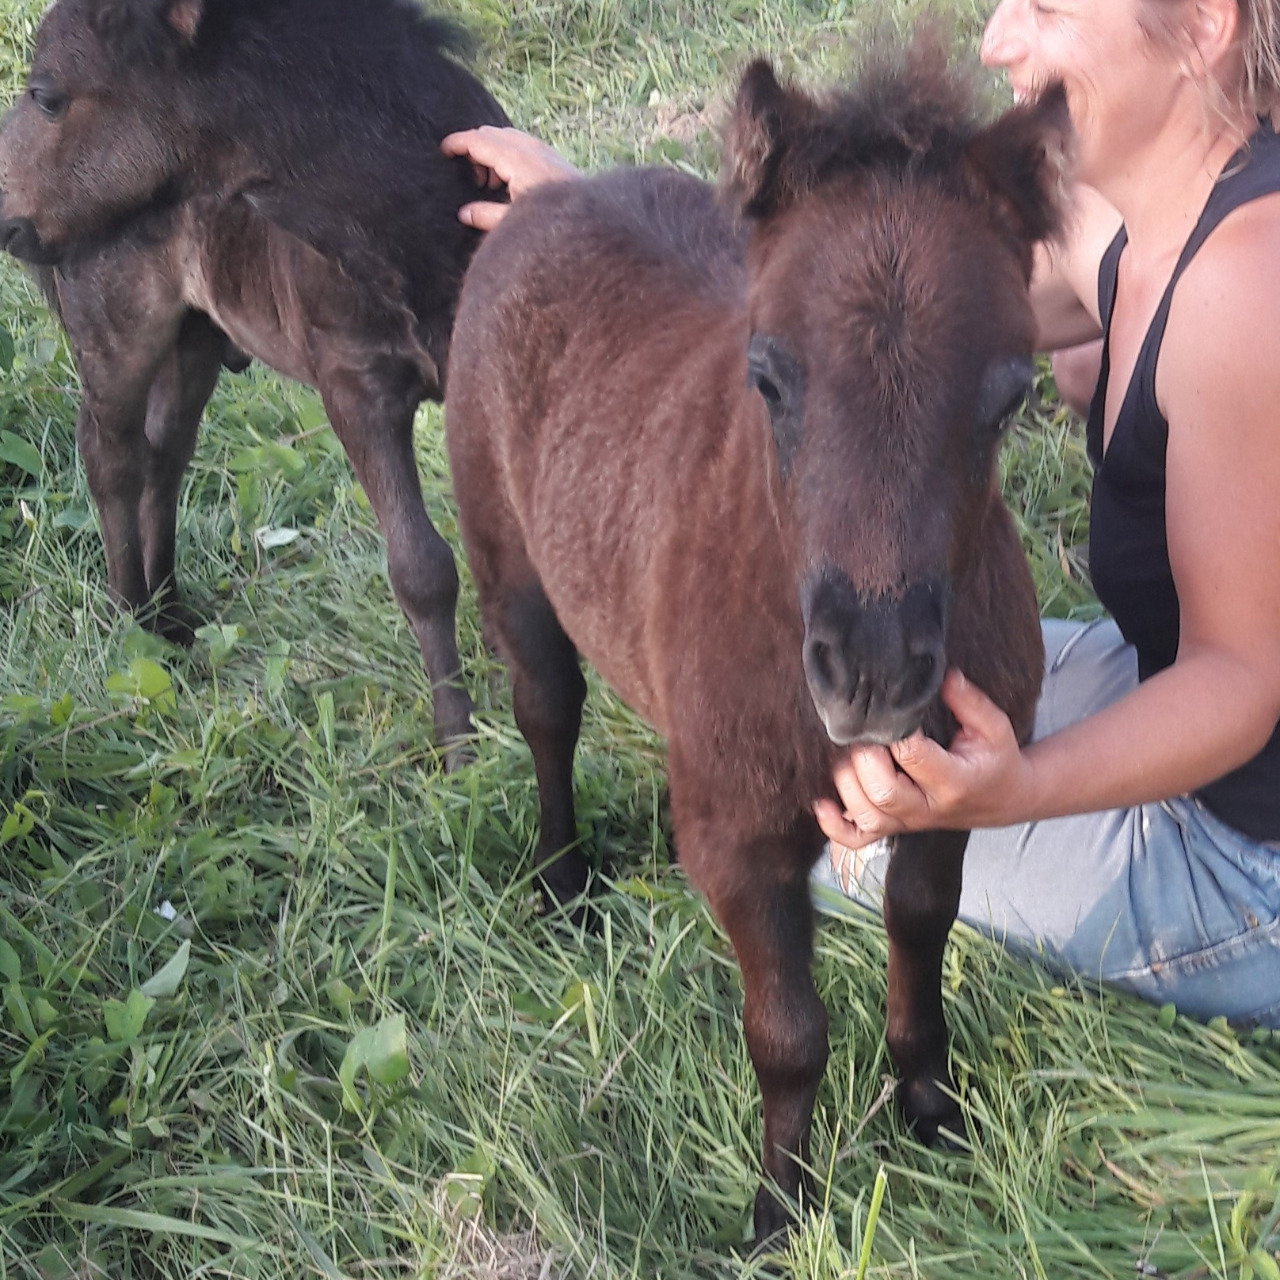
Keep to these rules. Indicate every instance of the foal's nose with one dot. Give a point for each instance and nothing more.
(18, 236)
(873, 666)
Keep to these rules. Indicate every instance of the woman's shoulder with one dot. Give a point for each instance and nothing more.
(1233, 282)
(1222, 342)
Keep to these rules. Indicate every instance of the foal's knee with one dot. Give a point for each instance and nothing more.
(921, 897)
(423, 574)
(788, 1045)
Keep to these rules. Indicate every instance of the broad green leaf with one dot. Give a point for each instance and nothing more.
(289, 461)
(382, 1051)
(1264, 1264)
(76, 517)
(221, 638)
(247, 460)
(467, 1184)
(168, 978)
(22, 707)
(16, 824)
(21, 453)
(340, 996)
(125, 1019)
(311, 414)
(389, 1056)
(10, 964)
(16, 1003)
(145, 679)
(6, 350)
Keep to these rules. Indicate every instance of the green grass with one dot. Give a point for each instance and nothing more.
(275, 1000)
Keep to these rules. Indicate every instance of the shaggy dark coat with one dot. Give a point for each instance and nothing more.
(739, 453)
(201, 181)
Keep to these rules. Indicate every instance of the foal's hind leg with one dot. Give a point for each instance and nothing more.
(179, 393)
(921, 898)
(547, 693)
(372, 412)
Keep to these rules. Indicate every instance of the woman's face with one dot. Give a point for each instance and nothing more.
(1120, 82)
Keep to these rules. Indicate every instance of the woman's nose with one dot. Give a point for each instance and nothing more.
(1002, 43)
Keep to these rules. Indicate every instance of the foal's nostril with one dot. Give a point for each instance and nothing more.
(820, 660)
(827, 668)
(923, 674)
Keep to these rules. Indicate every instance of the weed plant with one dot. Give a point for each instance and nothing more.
(275, 998)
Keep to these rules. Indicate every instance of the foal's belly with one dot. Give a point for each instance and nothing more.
(275, 297)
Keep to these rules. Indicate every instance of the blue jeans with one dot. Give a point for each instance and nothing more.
(1164, 900)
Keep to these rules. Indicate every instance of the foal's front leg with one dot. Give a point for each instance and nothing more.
(182, 386)
(922, 896)
(123, 316)
(759, 891)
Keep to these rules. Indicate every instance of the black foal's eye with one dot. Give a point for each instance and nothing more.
(50, 101)
(1004, 387)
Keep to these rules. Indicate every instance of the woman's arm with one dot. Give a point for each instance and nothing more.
(504, 157)
(1064, 284)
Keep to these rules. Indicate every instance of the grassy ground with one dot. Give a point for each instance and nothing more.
(274, 997)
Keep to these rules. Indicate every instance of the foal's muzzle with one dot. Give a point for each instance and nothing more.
(873, 665)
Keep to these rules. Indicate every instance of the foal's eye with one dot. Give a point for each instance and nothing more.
(779, 379)
(50, 101)
(772, 396)
(774, 373)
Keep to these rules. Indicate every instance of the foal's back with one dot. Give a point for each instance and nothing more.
(640, 272)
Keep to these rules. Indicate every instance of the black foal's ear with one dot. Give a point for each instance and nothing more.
(183, 17)
(1023, 160)
(144, 31)
(759, 173)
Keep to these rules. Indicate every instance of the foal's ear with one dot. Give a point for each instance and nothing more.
(183, 17)
(1023, 160)
(759, 171)
(145, 30)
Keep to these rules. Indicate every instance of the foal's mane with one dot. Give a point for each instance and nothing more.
(912, 111)
(362, 29)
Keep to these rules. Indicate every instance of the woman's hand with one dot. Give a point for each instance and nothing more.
(917, 785)
(504, 158)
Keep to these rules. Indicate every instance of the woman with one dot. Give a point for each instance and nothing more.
(1137, 839)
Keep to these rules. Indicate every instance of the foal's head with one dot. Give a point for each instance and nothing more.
(891, 242)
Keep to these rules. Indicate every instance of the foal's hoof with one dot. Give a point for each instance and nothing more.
(562, 882)
(773, 1220)
(176, 623)
(453, 726)
(456, 753)
(933, 1115)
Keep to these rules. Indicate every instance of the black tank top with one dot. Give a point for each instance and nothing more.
(1128, 552)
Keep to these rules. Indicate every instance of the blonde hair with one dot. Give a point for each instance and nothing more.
(1261, 54)
(1259, 90)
